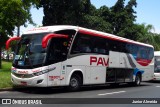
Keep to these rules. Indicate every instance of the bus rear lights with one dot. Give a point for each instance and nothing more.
(39, 81)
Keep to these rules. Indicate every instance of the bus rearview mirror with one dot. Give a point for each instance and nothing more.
(10, 40)
(50, 36)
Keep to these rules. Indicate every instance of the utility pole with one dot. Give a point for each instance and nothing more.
(18, 31)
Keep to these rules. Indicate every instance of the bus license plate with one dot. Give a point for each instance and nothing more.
(23, 83)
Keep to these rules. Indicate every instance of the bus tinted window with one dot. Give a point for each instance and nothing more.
(70, 34)
(123, 47)
(142, 53)
(150, 53)
(132, 49)
(82, 44)
(100, 46)
(57, 51)
(145, 53)
(114, 46)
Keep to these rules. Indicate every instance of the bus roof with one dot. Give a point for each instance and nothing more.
(84, 30)
(50, 29)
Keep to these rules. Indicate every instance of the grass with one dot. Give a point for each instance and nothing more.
(5, 75)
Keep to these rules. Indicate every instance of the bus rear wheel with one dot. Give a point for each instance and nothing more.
(75, 83)
(137, 81)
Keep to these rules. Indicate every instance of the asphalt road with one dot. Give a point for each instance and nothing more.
(90, 96)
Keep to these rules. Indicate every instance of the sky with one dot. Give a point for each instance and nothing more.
(147, 12)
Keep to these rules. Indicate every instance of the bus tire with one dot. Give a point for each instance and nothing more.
(75, 83)
(137, 81)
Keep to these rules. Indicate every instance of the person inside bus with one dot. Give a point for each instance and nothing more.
(85, 48)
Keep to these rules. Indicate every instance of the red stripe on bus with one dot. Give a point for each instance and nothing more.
(143, 62)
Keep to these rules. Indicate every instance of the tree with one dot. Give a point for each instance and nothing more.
(61, 11)
(73, 12)
(13, 13)
(105, 13)
(118, 16)
(123, 18)
(146, 36)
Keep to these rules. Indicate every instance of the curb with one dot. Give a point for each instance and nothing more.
(13, 88)
(6, 89)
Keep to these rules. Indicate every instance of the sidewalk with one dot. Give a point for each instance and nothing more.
(6, 89)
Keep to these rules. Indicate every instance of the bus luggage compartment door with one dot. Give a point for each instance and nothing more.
(114, 59)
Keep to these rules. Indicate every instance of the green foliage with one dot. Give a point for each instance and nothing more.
(146, 36)
(14, 13)
(5, 75)
(94, 22)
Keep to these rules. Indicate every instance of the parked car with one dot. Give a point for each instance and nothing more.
(5, 55)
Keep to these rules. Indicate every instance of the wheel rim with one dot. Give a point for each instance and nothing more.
(137, 80)
(74, 83)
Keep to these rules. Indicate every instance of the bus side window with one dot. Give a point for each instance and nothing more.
(114, 46)
(143, 53)
(100, 46)
(123, 47)
(57, 51)
(150, 53)
(82, 44)
(133, 49)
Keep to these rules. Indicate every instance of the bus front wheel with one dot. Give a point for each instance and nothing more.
(75, 83)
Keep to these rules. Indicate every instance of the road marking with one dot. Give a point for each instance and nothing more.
(113, 93)
(157, 86)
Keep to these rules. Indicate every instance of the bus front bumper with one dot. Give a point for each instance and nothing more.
(36, 81)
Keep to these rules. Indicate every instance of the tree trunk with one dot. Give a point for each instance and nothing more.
(7, 56)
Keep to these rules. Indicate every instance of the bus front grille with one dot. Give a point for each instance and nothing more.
(23, 75)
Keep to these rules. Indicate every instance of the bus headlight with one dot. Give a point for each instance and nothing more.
(41, 72)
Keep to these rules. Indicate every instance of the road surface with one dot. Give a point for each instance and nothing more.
(91, 96)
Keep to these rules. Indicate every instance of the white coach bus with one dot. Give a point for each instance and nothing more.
(74, 56)
(157, 66)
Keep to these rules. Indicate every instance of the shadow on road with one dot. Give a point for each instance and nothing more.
(154, 82)
(46, 90)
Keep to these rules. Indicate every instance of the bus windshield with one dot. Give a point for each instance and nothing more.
(29, 53)
(157, 64)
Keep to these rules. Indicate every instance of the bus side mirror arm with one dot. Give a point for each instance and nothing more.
(10, 40)
(50, 36)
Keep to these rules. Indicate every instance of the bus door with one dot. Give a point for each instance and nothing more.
(56, 55)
